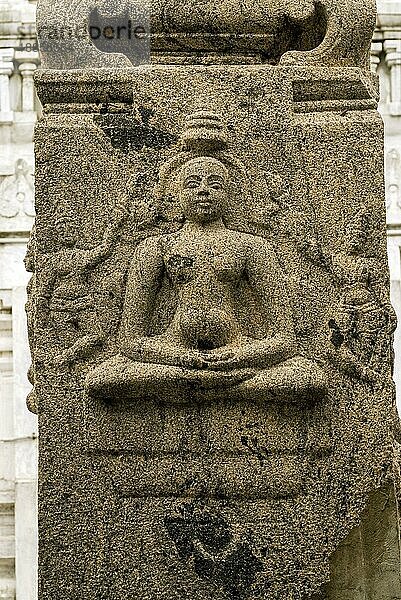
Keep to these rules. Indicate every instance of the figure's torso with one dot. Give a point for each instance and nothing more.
(209, 273)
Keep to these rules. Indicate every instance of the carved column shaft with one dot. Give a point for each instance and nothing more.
(28, 91)
(6, 70)
(209, 312)
(393, 59)
(375, 51)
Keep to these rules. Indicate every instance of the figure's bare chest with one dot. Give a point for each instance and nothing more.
(197, 260)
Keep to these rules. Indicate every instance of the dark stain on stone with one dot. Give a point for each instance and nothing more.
(207, 539)
(180, 268)
(252, 444)
(127, 133)
(146, 114)
(180, 262)
(180, 533)
(337, 337)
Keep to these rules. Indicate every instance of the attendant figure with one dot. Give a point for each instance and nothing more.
(65, 298)
(363, 320)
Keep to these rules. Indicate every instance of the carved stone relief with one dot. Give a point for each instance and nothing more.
(209, 345)
(65, 303)
(364, 320)
(211, 350)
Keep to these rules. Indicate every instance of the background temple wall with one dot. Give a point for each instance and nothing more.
(19, 110)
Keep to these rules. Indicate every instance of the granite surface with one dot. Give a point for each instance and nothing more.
(209, 318)
(122, 33)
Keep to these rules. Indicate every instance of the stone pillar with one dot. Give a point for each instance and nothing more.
(6, 380)
(7, 454)
(209, 314)
(393, 59)
(28, 91)
(6, 69)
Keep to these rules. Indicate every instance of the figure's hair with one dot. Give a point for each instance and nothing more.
(64, 220)
(210, 159)
(205, 137)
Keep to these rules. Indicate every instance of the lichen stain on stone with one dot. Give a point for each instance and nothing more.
(206, 539)
(127, 133)
(180, 267)
(336, 337)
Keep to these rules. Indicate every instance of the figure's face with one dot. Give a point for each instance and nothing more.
(203, 190)
(66, 233)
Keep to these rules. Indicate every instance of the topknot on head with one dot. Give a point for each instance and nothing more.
(204, 131)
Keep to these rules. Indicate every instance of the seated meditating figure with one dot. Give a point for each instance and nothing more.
(229, 333)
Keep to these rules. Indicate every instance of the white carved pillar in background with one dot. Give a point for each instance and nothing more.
(6, 394)
(25, 432)
(27, 70)
(393, 186)
(6, 70)
(393, 59)
(7, 453)
(375, 51)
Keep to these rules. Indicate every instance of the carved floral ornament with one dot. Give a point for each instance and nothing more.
(17, 192)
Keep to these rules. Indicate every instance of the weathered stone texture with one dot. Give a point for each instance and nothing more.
(192, 445)
(329, 32)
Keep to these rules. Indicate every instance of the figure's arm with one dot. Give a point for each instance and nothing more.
(267, 280)
(44, 288)
(311, 246)
(89, 258)
(144, 281)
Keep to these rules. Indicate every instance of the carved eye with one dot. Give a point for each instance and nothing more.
(215, 183)
(192, 184)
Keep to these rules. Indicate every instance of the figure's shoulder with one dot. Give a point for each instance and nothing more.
(255, 243)
(149, 244)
